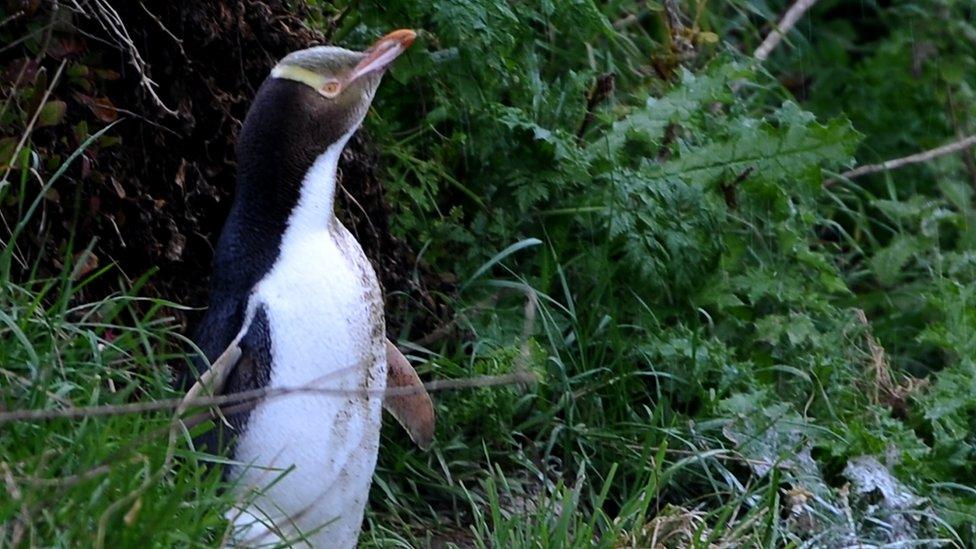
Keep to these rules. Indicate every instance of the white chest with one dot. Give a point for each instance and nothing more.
(324, 307)
(312, 454)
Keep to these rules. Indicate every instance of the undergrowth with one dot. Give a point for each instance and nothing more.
(735, 344)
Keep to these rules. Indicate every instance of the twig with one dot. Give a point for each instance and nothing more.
(960, 134)
(12, 91)
(24, 38)
(601, 90)
(11, 17)
(775, 36)
(916, 158)
(879, 360)
(33, 120)
(444, 329)
(336, 23)
(166, 31)
(728, 189)
(16, 496)
(356, 203)
(78, 412)
(27, 384)
(679, 38)
(67, 481)
(17, 254)
(111, 22)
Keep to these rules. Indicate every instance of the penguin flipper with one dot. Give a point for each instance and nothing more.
(244, 365)
(212, 381)
(249, 351)
(411, 407)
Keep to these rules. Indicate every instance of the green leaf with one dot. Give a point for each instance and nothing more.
(888, 262)
(800, 329)
(771, 152)
(52, 113)
(680, 105)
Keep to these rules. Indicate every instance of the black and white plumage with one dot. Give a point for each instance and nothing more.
(296, 304)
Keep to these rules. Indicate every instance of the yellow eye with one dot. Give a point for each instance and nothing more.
(331, 89)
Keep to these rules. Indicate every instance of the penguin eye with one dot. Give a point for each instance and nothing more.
(331, 89)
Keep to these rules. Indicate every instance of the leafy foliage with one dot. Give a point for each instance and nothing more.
(695, 260)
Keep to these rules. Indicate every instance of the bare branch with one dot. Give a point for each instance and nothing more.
(77, 412)
(916, 158)
(679, 39)
(16, 496)
(784, 26)
(17, 254)
(110, 21)
(884, 389)
(30, 125)
(159, 22)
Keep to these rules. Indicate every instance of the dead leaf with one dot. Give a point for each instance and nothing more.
(65, 46)
(106, 74)
(101, 107)
(133, 512)
(174, 248)
(85, 262)
(180, 178)
(119, 190)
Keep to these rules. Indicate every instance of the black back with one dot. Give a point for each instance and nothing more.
(288, 126)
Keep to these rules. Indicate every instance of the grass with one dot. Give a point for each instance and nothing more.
(98, 480)
(72, 481)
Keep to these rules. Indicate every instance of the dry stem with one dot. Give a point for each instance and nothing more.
(77, 412)
(110, 21)
(775, 36)
(916, 158)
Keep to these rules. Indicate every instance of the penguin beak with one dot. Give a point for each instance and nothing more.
(381, 54)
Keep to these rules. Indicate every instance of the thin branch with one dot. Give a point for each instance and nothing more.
(16, 496)
(679, 36)
(30, 126)
(916, 158)
(12, 91)
(250, 398)
(24, 38)
(11, 17)
(111, 22)
(602, 89)
(165, 30)
(784, 26)
(77, 412)
(960, 134)
(17, 254)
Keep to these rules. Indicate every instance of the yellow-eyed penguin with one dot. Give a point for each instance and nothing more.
(296, 307)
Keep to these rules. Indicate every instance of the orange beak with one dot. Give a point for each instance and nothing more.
(381, 54)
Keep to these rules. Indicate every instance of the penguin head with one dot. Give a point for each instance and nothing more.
(343, 81)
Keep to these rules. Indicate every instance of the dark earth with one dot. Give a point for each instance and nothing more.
(177, 78)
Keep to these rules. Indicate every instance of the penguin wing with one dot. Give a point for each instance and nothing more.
(244, 365)
(212, 381)
(408, 401)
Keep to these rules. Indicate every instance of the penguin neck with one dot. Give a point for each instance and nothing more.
(315, 209)
(280, 194)
(286, 187)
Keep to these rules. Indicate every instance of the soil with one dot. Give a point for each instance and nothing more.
(153, 195)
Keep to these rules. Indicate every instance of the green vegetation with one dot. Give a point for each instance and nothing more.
(735, 344)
